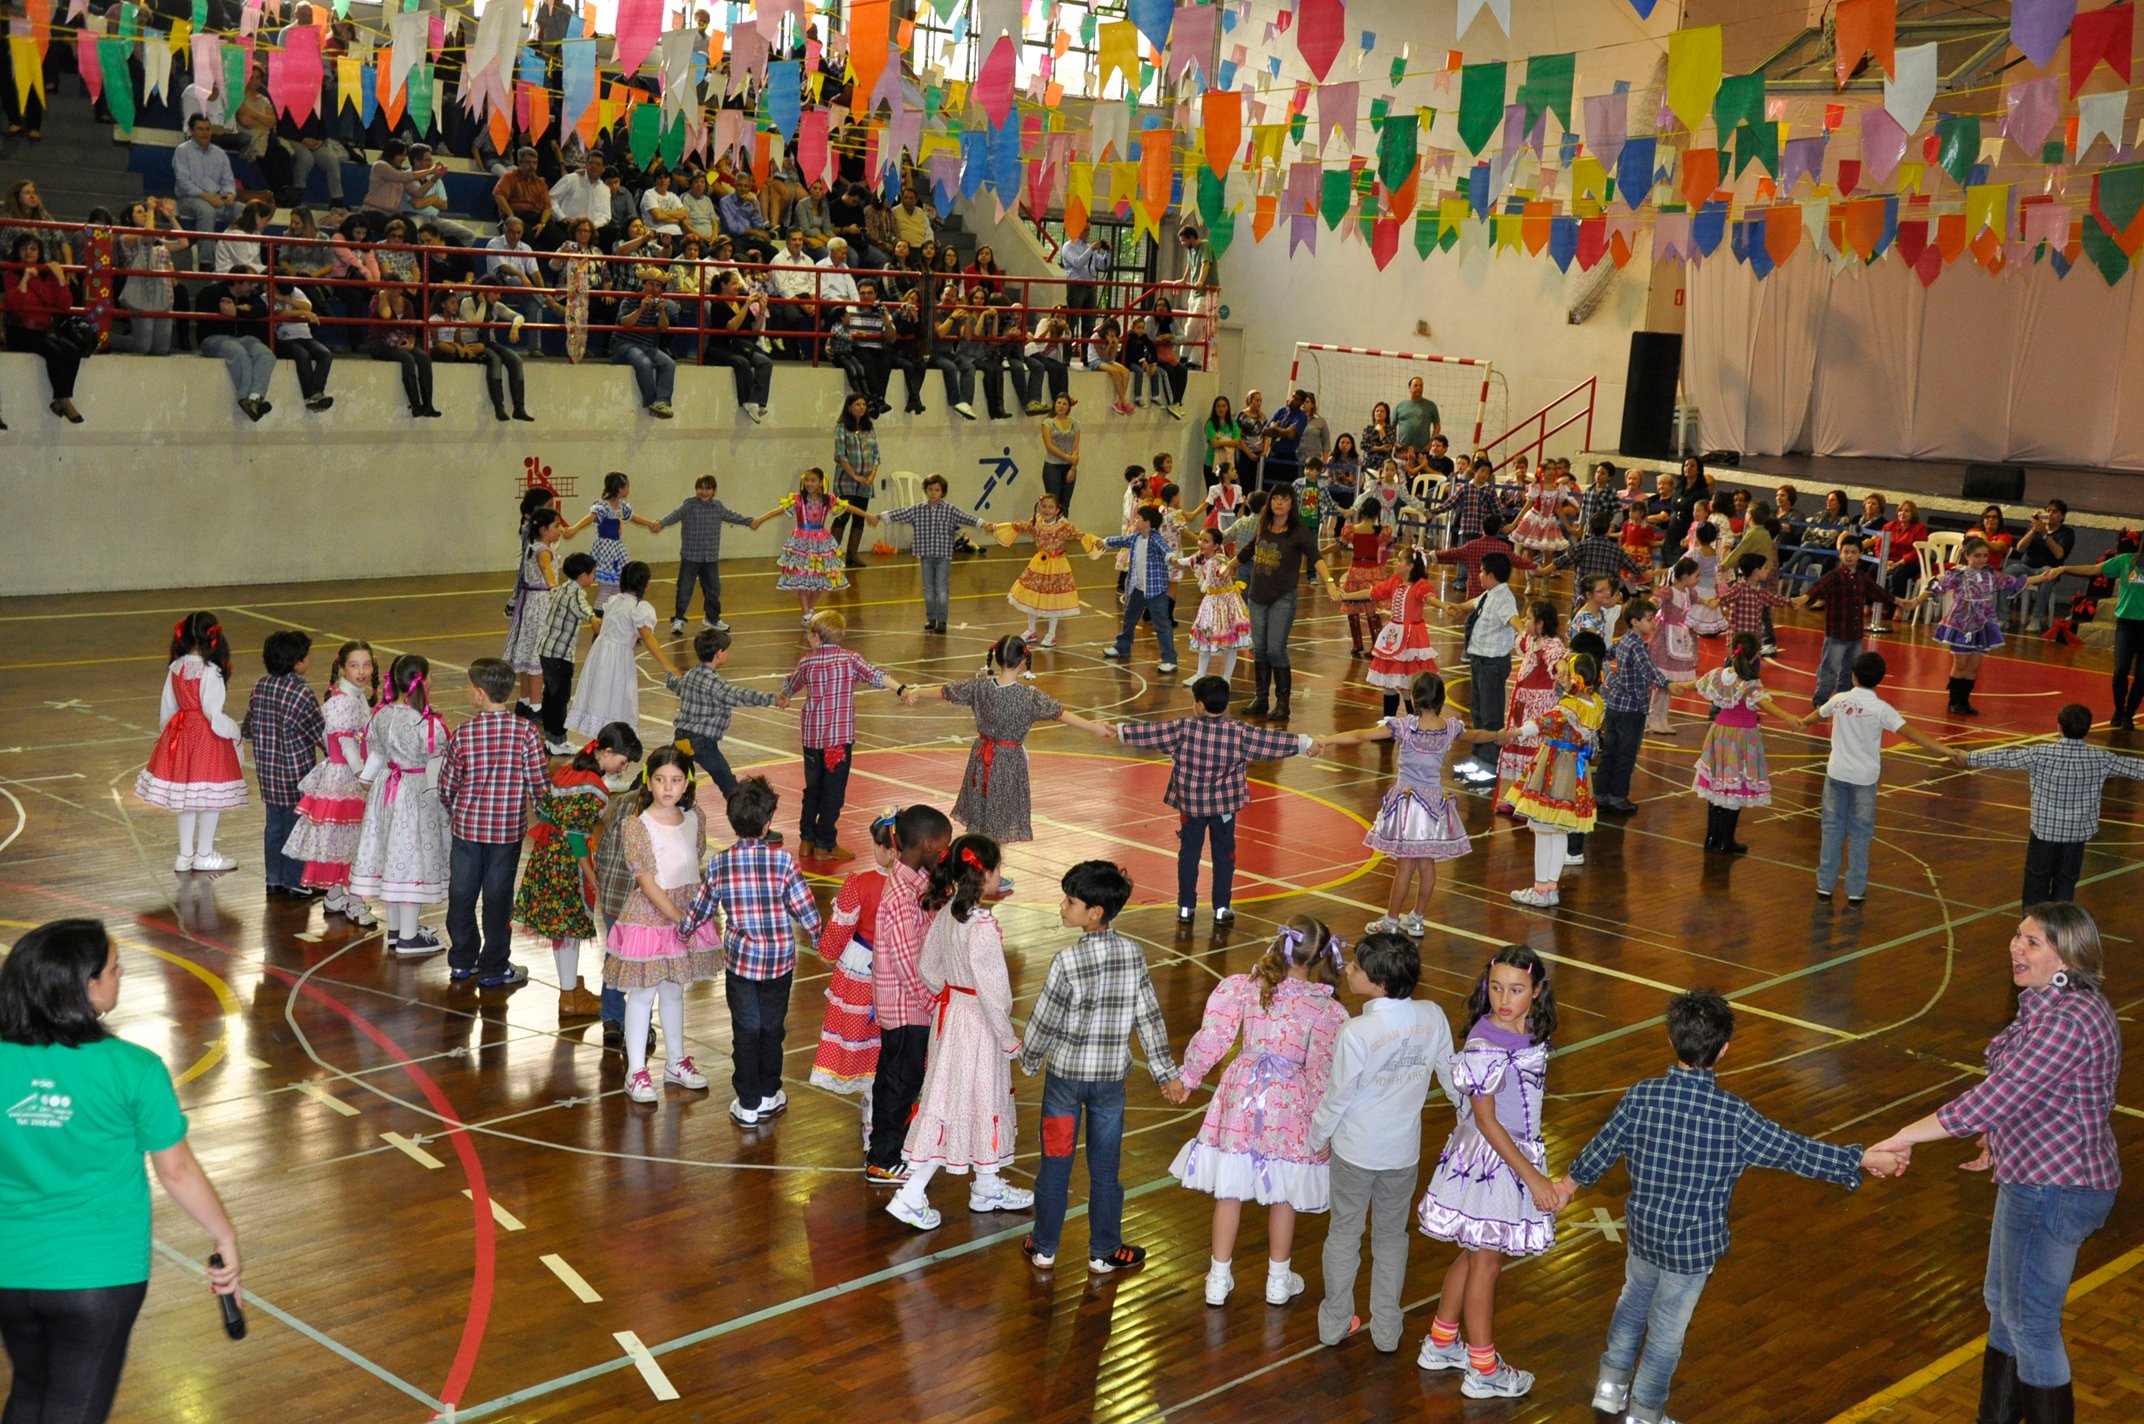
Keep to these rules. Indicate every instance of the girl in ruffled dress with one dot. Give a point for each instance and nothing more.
(1973, 626)
(1674, 646)
(1223, 626)
(664, 837)
(1402, 651)
(1534, 660)
(1418, 824)
(1731, 771)
(1045, 589)
(1556, 797)
(193, 769)
(558, 881)
(964, 1117)
(1539, 529)
(402, 844)
(1706, 620)
(1491, 1194)
(1366, 539)
(847, 1060)
(809, 560)
(331, 799)
(610, 515)
(609, 689)
(1254, 1143)
(532, 595)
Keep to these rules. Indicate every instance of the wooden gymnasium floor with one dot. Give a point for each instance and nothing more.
(445, 1203)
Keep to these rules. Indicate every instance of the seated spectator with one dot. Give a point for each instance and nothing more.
(639, 240)
(735, 321)
(809, 216)
(1049, 358)
(236, 248)
(240, 338)
(395, 181)
(744, 223)
(845, 209)
(837, 283)
(663, 210)
(307, 147)
(1101, 354)
(641, 338)
(396, 334)
(947, 322)
(440, 262)
(986, 276)
(396, 254)
(431, 204)
(24, 206)
(490, 157)
(898, 278)
(785, 187)
(513, 263)
(585, 192)
(149, 290)
(303, 254)
(201, 179)
(879, 233)
(472, 326)
(795, 284)
(994, 358)
(296, 339)
(700, 219)
(624, 207)
(911, 221)
(907, 353)
(867, 327)
(36, 296)
(523, 194)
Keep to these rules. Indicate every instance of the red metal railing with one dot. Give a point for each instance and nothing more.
(1534, 448)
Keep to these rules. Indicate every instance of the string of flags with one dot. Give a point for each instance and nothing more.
(1506, 157)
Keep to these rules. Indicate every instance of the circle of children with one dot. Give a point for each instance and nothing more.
(1315, 1112)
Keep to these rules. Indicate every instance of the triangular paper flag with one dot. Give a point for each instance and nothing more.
(1319, 32)
(1468, 9)
(2038, 26)
(2101, 35)
(1865, 27)
(1907, 95)
(1693, 73)
(2102, 115)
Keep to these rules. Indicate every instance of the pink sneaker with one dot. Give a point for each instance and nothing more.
(1122, 409)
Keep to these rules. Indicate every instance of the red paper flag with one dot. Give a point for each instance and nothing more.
(1929, 267)
(1849, 174)
(1323, 28)
(1592, 242)
(2101, 35)
(1384, 240)
(1912, 240)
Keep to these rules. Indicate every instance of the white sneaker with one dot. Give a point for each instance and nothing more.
(1002, 1198)
(1538, 899)
(357, 912)
(1189, 681)
(1383, 924)
(1506, 1383)
(677, 627)
(926, 1219)
(640, 1087)
(1220, 1280)
(1165, 668)
(742, 1115)
(1610, 1397)
(685, 1074)
(213, 861)
(1450, 1357)
(1282, 1286)
(1576, 858)
(560, 748)
(770, 1107)
(758, 413)
(719, 625)
(182, 864)
(965, 412)
(1413, 925)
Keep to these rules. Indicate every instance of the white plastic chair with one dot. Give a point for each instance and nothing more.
(1938, 554)
(901, 488)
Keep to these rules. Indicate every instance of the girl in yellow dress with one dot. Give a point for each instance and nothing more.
(1556, 797)
(1045, 589)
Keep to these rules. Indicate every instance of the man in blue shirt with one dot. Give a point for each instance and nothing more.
(201, 178)
(1085, 264)
(1147, 588)
(1284, 440)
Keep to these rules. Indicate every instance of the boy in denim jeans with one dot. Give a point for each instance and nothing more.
(1685, 1143)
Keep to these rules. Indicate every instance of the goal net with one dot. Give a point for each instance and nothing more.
(1349, 380)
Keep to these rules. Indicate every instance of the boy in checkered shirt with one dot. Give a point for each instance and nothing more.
(493, 771)
(1685, 1143)
(283, 721)
(933, 525)
(829, 675)
(705, 702)
(758, 890)
(1095, 992)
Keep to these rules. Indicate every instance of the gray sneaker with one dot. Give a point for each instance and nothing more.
(1412, 925)
(1506, 1383)
(1609, 1397)
(1446, 1357)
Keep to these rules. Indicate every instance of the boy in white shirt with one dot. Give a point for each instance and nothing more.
(1490, 638)
(1371, 1118)
(1859, 718)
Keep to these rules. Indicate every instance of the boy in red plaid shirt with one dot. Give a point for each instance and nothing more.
(494, 770)
(829, 675)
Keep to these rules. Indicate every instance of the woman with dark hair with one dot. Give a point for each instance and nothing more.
(36, 297)
(855, 471)
(1696, 485)
(74, 1203)
(2041, 1118)
(1274, 559)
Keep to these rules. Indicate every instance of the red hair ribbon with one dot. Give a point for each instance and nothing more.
(969, 857)
(590, 748)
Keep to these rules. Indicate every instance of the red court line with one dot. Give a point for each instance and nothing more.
(478, 1318)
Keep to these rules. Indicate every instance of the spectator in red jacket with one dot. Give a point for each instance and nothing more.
(36, 296)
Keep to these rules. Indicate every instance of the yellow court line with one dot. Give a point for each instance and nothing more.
(1928, 1374)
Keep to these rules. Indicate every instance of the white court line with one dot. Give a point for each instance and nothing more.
(417, 1154)
(506, 1219)
(573, 1282)
(325, 1098)
(645, 1363)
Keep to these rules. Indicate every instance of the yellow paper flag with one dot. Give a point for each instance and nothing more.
(181, 35)
(1693, 74)
(1266, 140)
(349, 75)
(1988, 206)
(1117, 49)
(1079, 184)
(1587, 176)
(29, 73)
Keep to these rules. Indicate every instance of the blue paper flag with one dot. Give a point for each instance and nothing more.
(368, 95)
(974, 161)
(1890, 228)
(1369, 41)
(1228, 73)
(1644, 8)
(1563, 241)
(1634, 170)
(1478, 189)
(785, 95)
(1708, 226)
(578, 60)
(1153, 18)
(1005, 158)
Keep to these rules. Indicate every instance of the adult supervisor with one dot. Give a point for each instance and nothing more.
(2041, 1116)
(78, 1108)
(1274, 560)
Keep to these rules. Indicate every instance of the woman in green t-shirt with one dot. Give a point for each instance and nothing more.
(2126, 573)
(78, 1108)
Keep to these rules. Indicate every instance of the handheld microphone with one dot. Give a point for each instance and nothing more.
(234, 1315)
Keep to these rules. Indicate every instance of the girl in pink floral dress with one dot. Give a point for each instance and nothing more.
(1534, 659)
(1254, 1143)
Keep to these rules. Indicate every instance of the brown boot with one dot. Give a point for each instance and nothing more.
(578, 1004)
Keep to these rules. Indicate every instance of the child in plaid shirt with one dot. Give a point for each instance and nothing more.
(557, 640)
(705, 701)
(1095, 992)
(829, 675)
(493, 771)
(284, 723)
(758, 889)
(932, 526)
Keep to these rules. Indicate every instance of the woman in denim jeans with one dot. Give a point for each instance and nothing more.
(2041, 1116)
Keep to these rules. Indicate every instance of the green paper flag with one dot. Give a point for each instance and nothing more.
(1758, 143)
(129, 22)
(1547, 86)
(1086, 28)
(1378, 109)
(1213, 196)
(420, 97)
(1295, 128)
(1958, 145)
(342, 9)
(1740, 101)
(932, 98)
(200, 15)
(2105, 252)
(673, 142)
(1339, 190)
(234, 78)
(1425, 232)
(1481, 103)
(645, 134)
(1220, 232)
(118, 79)
(1399, 69)
(2118, 194)
(1395, 151)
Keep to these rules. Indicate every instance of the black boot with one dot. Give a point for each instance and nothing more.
(1956, 687)
(1390, 705)
(2048, 1404)
(1712, 826)
(1259, 707)
(1283, 685)
(1728, 817)
(1999, 1401)
(1965, 696)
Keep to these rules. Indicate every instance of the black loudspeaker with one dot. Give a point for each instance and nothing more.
(1649, 395)
(1997, 484)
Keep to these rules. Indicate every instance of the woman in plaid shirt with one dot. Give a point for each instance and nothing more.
(2041, 1116)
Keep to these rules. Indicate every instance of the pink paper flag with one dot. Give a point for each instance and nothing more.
(903, 130)
(812, 152)
(1320, 30)
(296, 74)
(1191, 41)
(2029, 110)
(993, 82)
(1883, 144)
(1338, 105)
(640, 23)
(87, 61)
(748, 57)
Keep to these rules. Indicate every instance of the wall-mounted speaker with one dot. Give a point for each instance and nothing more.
(1649, 395)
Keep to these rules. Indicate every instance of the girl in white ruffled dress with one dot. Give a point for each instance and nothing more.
(331, 798)
(402, 844)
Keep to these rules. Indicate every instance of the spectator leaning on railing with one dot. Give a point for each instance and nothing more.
(734, 320)
(148, 289)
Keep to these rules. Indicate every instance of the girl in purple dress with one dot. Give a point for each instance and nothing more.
(1972, 628)
(1491, 1195)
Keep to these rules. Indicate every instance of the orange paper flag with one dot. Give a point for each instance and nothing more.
(1155, 173)
(1262, 215)
(1075, 219)
(1782, 231)
(539, 110)
(870, 31)
(502, 131)
(1223, 114)
(1950, 236)
(1864, 223)
(1534, 226)
(1700, 175)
